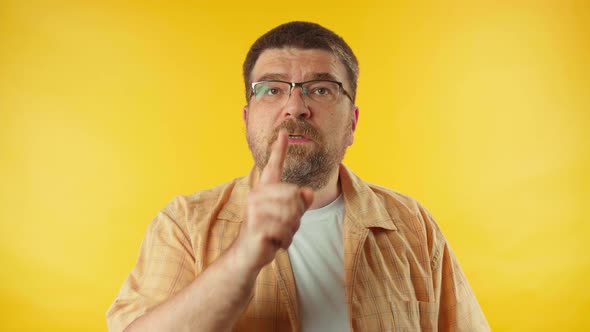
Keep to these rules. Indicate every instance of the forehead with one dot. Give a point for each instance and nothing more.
(294, 64)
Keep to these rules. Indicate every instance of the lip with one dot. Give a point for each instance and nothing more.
(298, 139)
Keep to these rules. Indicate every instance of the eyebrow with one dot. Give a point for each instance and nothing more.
(323, 76)
(283, 77)
(272, 76)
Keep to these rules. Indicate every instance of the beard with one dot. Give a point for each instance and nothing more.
(308, 165)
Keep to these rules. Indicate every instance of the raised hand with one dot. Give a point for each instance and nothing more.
(273, 212)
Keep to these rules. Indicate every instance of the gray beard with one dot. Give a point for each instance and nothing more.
(311, 169)
(304, 166)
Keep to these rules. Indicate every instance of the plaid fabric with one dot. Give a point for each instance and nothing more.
(401, 274)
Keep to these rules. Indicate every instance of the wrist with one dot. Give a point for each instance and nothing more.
(239, 265)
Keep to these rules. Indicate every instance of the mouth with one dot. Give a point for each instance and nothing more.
(298, 139)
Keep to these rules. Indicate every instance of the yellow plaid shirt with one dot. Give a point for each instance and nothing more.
(401, 274)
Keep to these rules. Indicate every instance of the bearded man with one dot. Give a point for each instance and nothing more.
(301, 243)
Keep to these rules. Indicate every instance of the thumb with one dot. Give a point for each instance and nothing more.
(307, 196)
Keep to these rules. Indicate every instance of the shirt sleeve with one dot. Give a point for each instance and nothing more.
(458, 306)
(165, 265)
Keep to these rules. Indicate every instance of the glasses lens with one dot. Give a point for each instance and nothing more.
(271, 91)
(323, 92)
(276, 92)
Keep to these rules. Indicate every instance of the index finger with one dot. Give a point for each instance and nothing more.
(273, 171)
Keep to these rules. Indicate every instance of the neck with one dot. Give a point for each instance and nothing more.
(323, 196)
(328, 193)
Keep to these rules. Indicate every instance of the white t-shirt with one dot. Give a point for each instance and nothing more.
(317, 259)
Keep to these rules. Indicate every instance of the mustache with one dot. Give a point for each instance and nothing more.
(300, 127)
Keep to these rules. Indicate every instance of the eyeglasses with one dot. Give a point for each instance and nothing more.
(275, 92)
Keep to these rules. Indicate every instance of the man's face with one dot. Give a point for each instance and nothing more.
(319, 133)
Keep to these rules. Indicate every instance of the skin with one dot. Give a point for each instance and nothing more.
(335, 123)
(215, 300)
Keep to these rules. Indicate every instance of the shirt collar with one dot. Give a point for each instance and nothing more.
(363, 206)
(364, 203)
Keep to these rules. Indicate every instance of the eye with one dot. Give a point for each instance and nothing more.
(322, 91)
(272, 91)
(273, 88)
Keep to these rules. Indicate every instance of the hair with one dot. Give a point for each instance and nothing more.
(303, 35)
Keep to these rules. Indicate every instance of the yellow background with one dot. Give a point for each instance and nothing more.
(480, 110)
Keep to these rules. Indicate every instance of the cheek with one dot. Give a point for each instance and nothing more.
(339, 122)
(260, 118)
(258, 127)
(343, 129)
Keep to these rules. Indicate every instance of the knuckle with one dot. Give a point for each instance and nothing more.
(285, 244)
(255, 215)
(252, 196)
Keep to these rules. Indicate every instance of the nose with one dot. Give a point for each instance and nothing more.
(296, 105)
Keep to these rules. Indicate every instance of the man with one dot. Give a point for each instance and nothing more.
(301, 243)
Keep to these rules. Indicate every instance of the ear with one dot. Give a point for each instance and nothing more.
(354, 119)
(245, 115)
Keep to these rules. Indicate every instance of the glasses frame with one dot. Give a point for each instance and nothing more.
(299, 84)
